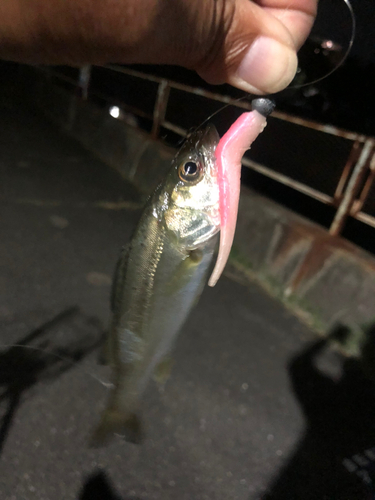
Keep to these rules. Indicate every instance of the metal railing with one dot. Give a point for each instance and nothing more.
(357, 175)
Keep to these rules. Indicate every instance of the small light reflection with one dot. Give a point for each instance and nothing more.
(114, 111)
(328, 44)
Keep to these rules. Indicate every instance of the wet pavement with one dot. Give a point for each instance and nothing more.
(256, 407)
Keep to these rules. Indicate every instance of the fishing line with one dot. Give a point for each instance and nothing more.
(346, 53)
(313, 82)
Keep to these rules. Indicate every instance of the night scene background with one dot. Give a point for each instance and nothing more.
(258, 405)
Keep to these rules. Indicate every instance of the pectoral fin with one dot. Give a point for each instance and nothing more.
(183, 271)
(163, 371)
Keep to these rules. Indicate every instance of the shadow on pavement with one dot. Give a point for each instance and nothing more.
(335, 459)
(98, 487)
(44, 354)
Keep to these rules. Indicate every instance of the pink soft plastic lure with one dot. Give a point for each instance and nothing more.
(229, 154)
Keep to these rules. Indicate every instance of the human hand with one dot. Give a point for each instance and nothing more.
(249, 44)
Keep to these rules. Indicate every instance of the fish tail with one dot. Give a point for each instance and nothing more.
(116, 422)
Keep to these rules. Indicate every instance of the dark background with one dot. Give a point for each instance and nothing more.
(343, 99)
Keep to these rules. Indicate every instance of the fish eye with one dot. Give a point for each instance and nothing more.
(190, 171)
(190, 168)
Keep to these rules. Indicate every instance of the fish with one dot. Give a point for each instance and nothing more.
(162, 272)
(159, 278)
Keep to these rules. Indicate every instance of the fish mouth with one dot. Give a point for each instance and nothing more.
(209, 138)
(204, 139)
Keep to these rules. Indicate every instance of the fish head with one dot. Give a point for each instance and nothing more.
(191, 190)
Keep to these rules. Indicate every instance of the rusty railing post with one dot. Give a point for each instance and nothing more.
(353, 157)
(358, 204)
(160, 107)
(352, 189)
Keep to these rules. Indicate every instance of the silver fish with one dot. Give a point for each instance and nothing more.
(159, 278)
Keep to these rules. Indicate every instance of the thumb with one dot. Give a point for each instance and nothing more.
(254, 47)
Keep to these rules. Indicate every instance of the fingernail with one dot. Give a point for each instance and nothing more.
(267, 67)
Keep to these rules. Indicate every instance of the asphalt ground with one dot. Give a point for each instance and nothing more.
(256, 406)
